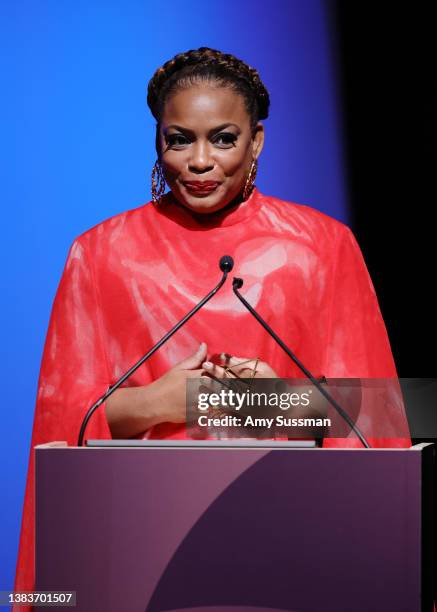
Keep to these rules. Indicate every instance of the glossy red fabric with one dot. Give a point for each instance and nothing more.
(128, 280)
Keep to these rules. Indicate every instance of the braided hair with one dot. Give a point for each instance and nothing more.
(206, 64)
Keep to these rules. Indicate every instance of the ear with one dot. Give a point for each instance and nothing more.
(258, 139)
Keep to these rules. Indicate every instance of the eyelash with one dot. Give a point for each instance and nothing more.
(171, 140)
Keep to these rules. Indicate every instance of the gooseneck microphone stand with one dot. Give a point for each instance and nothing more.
(237, 283)
(226, 264)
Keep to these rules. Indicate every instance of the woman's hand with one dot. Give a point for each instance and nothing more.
(231, 369)
(239, 367)
(167, 395)
(226, 375)
(133, 410)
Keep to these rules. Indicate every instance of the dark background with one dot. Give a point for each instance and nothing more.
(387, 86)
(388, 95)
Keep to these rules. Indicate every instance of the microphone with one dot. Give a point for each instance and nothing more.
(237, 283)
(226, 264)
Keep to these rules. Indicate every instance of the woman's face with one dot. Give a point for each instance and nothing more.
(205, 136)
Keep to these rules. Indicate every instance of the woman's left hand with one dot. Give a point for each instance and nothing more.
(239, 367)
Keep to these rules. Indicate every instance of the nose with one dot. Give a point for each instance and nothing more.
(200, 160)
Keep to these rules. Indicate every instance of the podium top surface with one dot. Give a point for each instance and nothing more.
(218, 444)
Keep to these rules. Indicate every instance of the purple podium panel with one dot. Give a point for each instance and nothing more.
(224, 529)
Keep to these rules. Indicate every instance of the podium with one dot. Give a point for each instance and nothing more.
(216, 529)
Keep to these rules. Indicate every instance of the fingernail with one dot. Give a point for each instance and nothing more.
(201, 346)
(207, 365)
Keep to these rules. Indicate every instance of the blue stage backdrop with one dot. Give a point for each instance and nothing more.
(78, 147)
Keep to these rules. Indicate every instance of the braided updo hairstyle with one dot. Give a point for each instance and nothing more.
(206, 64)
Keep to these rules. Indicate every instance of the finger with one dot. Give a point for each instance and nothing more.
(194, 360)
(241, 370)
(198, 373)
(233, 361)
(226, 372)
(214, 369)
(211, 386)
(210, 381)
(206, 383)
(197, 382)
(200, 382)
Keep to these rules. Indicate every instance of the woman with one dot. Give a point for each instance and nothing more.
(128, 280)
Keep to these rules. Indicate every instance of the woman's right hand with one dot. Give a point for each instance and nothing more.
(167, 395)
(130, 411)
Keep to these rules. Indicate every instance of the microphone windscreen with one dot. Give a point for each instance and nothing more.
(226, 263)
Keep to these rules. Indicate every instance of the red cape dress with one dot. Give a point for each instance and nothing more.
(129, 279)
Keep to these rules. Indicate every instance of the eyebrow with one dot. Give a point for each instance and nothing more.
(212, 131)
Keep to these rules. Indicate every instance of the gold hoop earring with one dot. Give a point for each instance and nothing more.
(250, 179)
(158, 183)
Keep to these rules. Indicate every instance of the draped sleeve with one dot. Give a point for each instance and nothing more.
(73, 374)
(358, 345)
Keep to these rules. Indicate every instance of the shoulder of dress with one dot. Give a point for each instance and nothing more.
(112, 226)
(305, 214)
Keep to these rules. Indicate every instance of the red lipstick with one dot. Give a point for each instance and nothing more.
(201, 186)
